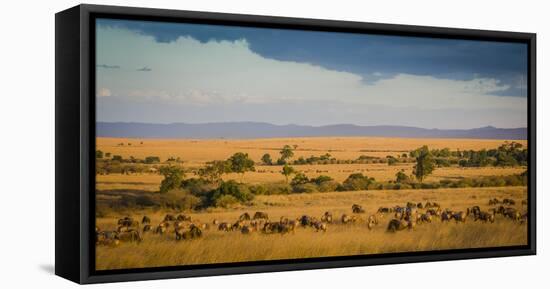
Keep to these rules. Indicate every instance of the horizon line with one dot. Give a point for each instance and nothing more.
(305, 125)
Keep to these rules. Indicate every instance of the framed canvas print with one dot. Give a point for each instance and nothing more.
(193, 144)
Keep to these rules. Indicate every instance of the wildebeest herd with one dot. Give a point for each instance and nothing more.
(412, 214)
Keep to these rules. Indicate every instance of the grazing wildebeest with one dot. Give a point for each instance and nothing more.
(107, 238)
(419, 205)
(182, 217)
(494, 201)
(128, 222)
(512, 213)
(372, 221)
(485, 217)
(260, 215)
(459, 217)
(446, 216)
(161, 229)
(169, 218)
(237, 225)
(384, 210)
(327, 217)
(248, 229)
(357, 209)
(524, 202)
(224, 227)
(348, 219)
(475, 210)
(509, 202)
(398, 225)
(434, 212)
(146, 228)
(129, 236)
(306, 220)
(244, 217)
(320, 226)
(215, 222)
(275, 227)
(145, 220)
(425, 218)
(192, 233)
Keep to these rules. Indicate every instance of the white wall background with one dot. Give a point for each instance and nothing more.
(27, 142)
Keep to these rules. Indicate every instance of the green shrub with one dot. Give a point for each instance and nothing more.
(226, 201)
(357, 182)
(305, 188)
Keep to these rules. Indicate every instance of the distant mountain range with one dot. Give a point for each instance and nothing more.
(266, 130)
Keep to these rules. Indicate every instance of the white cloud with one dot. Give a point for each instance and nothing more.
(188, 72)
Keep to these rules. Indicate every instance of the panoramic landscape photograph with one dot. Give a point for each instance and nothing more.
(221, 144)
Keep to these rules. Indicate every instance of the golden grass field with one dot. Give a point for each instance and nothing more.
(197, 152)
(340, 239)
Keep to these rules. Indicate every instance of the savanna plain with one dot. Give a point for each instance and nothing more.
(192, 201)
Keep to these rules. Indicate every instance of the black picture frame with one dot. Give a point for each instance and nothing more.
(75, 143)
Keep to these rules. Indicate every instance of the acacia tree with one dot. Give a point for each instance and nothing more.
(266, 159)
(214, 171)
(173, 176)
(425, 163)
(286, 153)
(240, 163)
(287, 171)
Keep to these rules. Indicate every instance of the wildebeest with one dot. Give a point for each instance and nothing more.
(127, 222)
(145, 220)
(431, 205)
(182, 217)
(107, 238)
(160, 229)
(398, 225)
(169, 218)
(320, 226)
(512, 213)
(244, 217)
(187, 234)
(327, 217)
(475, 210)
(459, 217)
(509, 202)
(215, 222)
(146, 228)
(260, 215)
(419, 205)
(372, 221)
(434, 212)
(247, 229)
(446, 216)
(129, 236)
(385, 210)
(305, 220)
(348, 219)
(425, 218)
(485, 217)
(237, 225)
(224, 227)
(277, 227)
(494, 201)
(357, 209)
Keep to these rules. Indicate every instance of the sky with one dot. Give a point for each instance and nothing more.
(157, 72)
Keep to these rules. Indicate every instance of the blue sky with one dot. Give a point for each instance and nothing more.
(172, 72)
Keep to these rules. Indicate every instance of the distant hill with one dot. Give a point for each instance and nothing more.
(266, 130)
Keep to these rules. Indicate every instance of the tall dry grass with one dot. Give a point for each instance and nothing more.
(339, 240)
